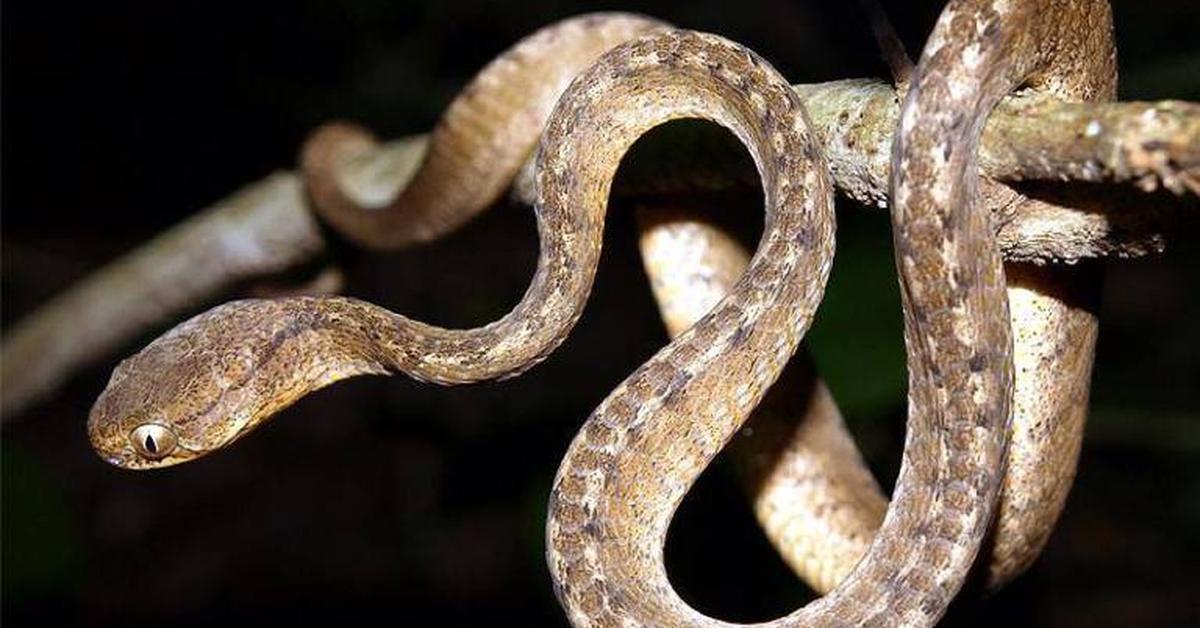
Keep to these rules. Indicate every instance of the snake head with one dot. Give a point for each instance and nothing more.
(192, 390)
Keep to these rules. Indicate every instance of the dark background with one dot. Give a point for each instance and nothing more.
(386, 499)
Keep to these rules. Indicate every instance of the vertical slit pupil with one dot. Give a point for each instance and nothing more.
(151, 446)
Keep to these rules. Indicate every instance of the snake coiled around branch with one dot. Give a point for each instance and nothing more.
(214, 391)
(613, 502)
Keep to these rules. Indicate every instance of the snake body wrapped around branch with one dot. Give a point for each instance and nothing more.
(269, 225)
(612, 506)
(206, 391)
(217, 376)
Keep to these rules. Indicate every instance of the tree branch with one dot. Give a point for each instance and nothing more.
(268, 226)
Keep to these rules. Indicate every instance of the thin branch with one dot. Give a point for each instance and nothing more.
(1150, 144)
(261, 229)
(268, 226)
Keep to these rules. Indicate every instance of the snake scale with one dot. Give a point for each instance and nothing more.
(194, 390)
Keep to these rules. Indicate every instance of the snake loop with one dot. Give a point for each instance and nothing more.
(478, 145)
(629, 467)
(216, 377)
(813, 494)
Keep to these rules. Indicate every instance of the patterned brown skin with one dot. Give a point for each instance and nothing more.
(812, 493)
(636, 456)
(1066, 50)
(215, 377)
(479, 144)
(268, 226)
(630, 466)
(360, 338)
(1053, 309)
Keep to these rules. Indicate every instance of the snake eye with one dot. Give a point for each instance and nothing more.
(153, 441)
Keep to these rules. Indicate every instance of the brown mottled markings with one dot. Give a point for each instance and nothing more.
(622, 479)
(928, 541)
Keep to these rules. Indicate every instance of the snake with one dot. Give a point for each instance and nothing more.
(322, 340)
(812, 492)
(216, 376)
(635, 458)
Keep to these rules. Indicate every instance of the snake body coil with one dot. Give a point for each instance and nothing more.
(613, 502)
(219, 375)
(812, 493)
